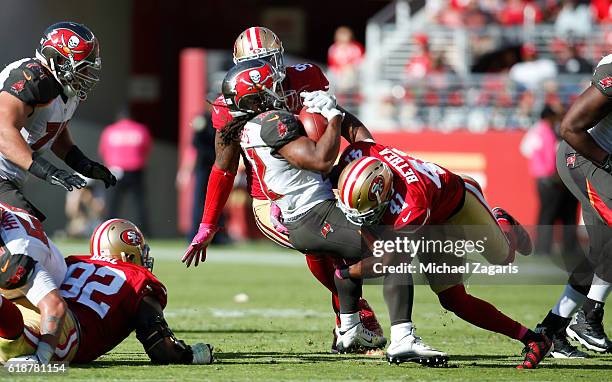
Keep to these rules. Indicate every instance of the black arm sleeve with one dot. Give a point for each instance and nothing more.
(157, 338)
(602, 78)
(32, 84)
(279, 128)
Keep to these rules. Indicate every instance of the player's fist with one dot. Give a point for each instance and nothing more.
(197, 249)
(202, 354)
(318, 99)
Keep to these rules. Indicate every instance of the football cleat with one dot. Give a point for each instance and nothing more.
(562, 349)
(411, 348)
(590, 332)
(368, 318)
(535, 353)
(519, 236)
(358, 338)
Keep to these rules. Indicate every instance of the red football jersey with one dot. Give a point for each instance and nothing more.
(104, 295)
(299, 78)
(423, 192)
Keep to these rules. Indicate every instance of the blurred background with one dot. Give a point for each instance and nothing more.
(478, 86)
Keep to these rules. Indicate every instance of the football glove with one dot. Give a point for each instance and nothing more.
(83, 165)
(44, 170)
(276, 217)
(202, 354)
(197, 249)
(318, 99)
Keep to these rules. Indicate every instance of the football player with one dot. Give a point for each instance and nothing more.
(384, 186)
(262, 43)
(32, 268)
(293, 170)
(584, 163)
(109, 294)
(38, 97)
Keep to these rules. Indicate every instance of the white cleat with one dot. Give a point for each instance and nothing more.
(411, 348)
(358, 337)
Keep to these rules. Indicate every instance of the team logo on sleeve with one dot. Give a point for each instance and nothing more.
(282, 129)
(326, 229)
(131, 237)
(18, 86)
(605, 82)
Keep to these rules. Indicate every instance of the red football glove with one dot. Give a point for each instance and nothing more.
(197, 249)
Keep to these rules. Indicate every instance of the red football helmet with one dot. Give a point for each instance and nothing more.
(252, 87)
(72, 53)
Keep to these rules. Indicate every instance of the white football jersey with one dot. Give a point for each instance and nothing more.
(22, 233)
(29, 81)
(294, 190)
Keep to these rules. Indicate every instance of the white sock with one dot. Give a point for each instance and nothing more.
(349, 320)
(600, 289)
(400, 331)
(569, 302)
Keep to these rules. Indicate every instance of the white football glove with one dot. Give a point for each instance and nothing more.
(202, 354)
(318, 99)
(31, 359)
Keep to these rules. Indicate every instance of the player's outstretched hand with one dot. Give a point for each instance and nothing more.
(197, 249)
(202, 354)
(98, 171)
(65, 179)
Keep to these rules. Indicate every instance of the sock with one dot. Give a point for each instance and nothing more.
(349, 293)
(593, 310)
(349, 320)
(322, 268)
(399, 331)
(554, 324)
(600, 289)
(11, 320)
(479, 312)
(569, 302)
(398, 291)
(530, 336)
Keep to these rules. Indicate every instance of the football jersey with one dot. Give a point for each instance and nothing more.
(602, 80)
(22, 233)
(423, 192)
(33, 84)
(294, 190)
(299, 78)
(104, 295)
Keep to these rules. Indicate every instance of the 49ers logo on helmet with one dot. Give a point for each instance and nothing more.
(131, 237)
(69, 44)
(376, 188)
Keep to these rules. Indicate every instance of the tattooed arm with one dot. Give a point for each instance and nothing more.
(52, 312)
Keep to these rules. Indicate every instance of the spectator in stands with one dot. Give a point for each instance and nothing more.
(422, 62)
(344, 58)
(539, 145)
(574, 19)
(199, 168)
(602, 10)
(84, 209)
(532, 70)
(125, 146)
(569, 60)
(517, 12)
(465, 13)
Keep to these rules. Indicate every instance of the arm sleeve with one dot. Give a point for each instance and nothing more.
(280, 128)
(602, 78)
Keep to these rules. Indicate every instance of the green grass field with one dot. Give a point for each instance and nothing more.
(284, 331)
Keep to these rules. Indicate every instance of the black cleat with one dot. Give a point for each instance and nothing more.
(562, 348)
(590, 332)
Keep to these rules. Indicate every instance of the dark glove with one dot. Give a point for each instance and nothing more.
(44, 170)
(85, 166)
(606, 165)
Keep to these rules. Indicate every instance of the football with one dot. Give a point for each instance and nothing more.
(314, 124)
